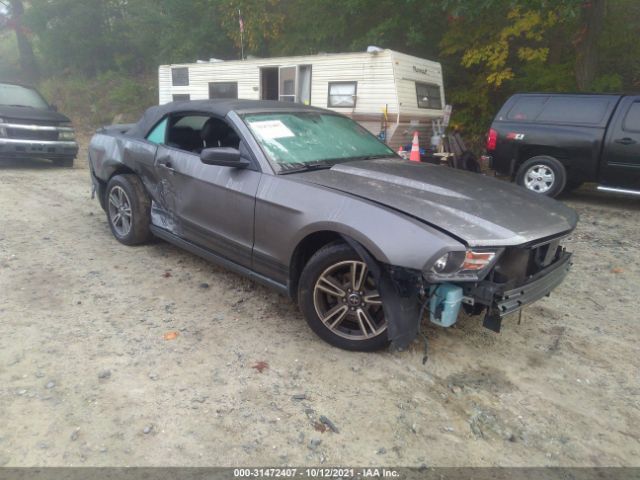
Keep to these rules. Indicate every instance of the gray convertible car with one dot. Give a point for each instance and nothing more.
(308, 202)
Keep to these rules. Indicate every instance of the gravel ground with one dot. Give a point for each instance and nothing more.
(114, 355)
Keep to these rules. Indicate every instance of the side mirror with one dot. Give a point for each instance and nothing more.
(224, 157)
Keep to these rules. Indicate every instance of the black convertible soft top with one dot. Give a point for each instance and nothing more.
(218, 108)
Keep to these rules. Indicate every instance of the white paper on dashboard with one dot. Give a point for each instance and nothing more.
(272, 129)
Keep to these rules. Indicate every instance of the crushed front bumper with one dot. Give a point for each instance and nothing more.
(540, 285)
(504, 299)
(14, 148)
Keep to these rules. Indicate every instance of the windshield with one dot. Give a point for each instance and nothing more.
(296, 140)
(21, 96)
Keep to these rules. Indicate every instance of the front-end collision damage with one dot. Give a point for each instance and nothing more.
(521, 276)
(400, 290)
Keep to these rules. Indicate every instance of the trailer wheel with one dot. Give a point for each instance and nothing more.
(542, 174)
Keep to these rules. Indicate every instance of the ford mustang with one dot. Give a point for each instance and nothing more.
(308, 202)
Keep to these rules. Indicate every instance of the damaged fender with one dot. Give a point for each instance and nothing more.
(399, 289)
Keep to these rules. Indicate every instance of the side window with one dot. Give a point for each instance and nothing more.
(223, 90)
(527, 108)
(428, 96)
(193, 133)
(342, 94)
(180, 77)
(632, 118)
(583, 110)
(157, 135)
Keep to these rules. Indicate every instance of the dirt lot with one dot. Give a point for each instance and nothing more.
(88, 378)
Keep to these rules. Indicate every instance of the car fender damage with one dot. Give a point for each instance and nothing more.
(399, 289)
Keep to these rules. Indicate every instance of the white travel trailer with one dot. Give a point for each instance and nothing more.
(361, 85)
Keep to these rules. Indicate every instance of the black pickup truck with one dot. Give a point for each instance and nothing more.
(31, 128)
(549, 143)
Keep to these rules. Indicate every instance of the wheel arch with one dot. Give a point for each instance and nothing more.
(101, 190)
(530, 151)
(314, 241)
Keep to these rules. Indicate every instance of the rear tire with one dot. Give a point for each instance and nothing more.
(542, 174)
(337, 286)
(63, 162)
(128, 209)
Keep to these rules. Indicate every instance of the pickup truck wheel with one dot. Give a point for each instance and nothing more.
(63, 162)
(340, 301)
(542, 174)
(128, 209)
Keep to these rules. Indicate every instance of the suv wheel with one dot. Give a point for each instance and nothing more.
(128, 209)
(340, 301)
(542, 174)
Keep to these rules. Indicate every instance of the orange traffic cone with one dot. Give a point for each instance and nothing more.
(415, 148)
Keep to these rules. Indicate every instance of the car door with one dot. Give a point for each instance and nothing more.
(208, 205)
(621, 155)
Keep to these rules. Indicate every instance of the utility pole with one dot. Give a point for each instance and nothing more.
(241, 23)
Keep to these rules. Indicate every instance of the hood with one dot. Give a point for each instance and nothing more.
(479, 210)
(35, 114)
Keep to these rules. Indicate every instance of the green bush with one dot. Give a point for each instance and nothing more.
(93, 102)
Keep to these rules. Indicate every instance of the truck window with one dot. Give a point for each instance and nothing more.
(584, 110)
(527, 108)
(632, 118)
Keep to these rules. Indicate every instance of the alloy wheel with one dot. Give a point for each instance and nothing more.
(347, 301)
(539, 178)
(120, 211)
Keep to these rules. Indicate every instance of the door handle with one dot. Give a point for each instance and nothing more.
(625, 141)
(168, 166)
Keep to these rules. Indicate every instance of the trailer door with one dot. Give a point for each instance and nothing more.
(287, 84)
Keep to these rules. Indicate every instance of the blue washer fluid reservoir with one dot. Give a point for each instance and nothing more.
(444, 304)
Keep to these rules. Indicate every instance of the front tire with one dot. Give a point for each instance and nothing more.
(128, 209)
(340, 301)
(542, 174)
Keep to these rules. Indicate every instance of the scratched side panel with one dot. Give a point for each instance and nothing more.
(110, 151)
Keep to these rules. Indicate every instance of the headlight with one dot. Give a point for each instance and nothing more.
(66, 135)
(3, 130)
(450, 262)
(461, 264)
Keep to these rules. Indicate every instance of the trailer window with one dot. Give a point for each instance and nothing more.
(223, 90)
(428, 96)
(180, 77)
(342, 94)
(179, 97)
(632, 119)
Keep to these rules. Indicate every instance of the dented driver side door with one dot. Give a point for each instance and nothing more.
(210, 206)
